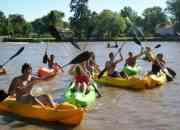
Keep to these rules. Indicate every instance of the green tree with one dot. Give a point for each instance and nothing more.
(110, 24)
(130, 13)
(153, 17)
(27, 29)
(54, 18)
(3, 24)
(80, 17)
(131, 18)
(174, 9)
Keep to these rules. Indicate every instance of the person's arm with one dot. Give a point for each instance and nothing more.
(121, 59)
(140, 54)
(12, 87)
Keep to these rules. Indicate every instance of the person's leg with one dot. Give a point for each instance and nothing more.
(84, 87)
(46, 100)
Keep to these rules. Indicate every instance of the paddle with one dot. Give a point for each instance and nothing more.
(45, 57)
(55, 33)
(12, 57)
(80, 58)
(169, 72)
(104, 70)
(138, 42)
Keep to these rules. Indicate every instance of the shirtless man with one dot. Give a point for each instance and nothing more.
(111, 65)
(21, 86)
(131, 60)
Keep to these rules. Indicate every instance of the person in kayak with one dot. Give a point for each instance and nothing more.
(2, 70)
(51, 62)
(111, 65)
(82, 80)
(131, 60)
(21, 86)
(158, 63)
(83, 66)
(91, 65)
(149, 54)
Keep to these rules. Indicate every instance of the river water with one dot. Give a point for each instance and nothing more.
(118, 109)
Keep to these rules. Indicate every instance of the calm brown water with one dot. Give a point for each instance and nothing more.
(118, 109)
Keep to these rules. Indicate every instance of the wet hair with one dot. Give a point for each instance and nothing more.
(52, 56)
(111, 54)
(159, 55)
(25, 67)
(130, 53)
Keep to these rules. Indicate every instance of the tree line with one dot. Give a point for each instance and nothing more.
(86, 24)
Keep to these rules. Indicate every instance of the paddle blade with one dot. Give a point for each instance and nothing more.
(54, 32)
(3, 95)
(157, 46)
(80, 58)
(17, 53)
(172, 72)
(45, 59)
(75, 44)
(137, 41)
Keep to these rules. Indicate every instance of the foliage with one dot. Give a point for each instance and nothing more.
(174, 9)
(153, 17)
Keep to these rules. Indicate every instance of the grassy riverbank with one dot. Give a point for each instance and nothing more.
(49, 39)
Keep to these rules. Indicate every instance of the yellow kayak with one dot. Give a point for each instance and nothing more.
(135, 83)
(155, 80)
(65, 113)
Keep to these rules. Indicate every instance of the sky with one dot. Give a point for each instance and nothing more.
(32, 9)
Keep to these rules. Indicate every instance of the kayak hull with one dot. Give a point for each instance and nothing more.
(46, 73)
(65, 113)
(3, 71)
(134, 83)
(79, 98)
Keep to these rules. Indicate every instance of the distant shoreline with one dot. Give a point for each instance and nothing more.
(18, 39)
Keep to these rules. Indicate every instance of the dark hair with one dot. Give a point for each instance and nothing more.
(52, 56)
(25, 67)
(159, 55)
(111, 54)
(130, 53)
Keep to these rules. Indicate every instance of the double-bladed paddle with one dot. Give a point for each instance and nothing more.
(168, 71)
(80, 58)
(55, 33)
(12, 57)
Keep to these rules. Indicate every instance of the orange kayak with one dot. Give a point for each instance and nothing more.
(2, 71)
(64, 113)
(46, 73)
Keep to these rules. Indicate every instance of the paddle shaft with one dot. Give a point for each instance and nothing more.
(12, 57)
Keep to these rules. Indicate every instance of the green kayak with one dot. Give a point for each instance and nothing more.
(131, 71)
(78, 98)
